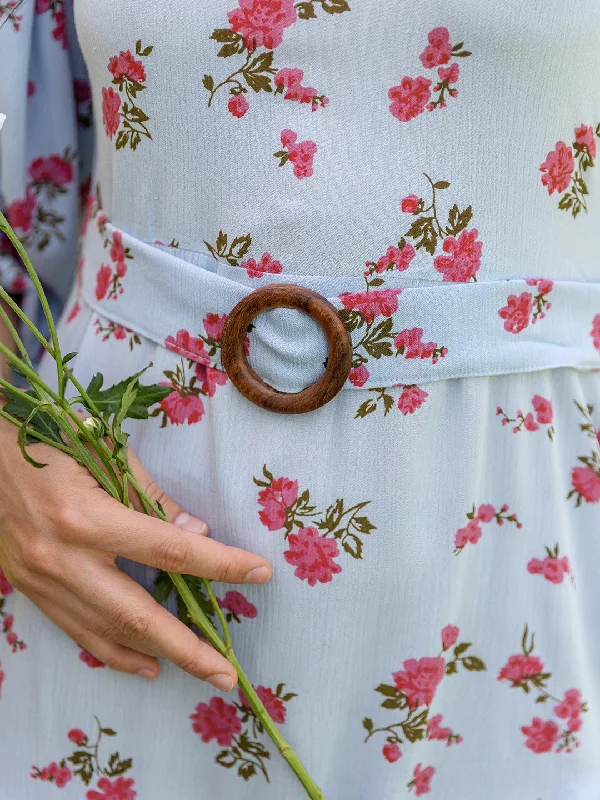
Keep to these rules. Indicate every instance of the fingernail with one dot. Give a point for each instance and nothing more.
(147, 674)
(258, 575)
(221, 681)
(189, 523)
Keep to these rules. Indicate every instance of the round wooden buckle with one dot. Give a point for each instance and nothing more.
(245, 379)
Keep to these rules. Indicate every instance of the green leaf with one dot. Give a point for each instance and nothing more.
(473, 664)
(116, 766)
(423, 230)
(441, 185)
(108, 401)
(307, 11)
(224, 35)
(42, 422)
(246, 770)
(378, 349)
(388, 404)
(376, 282)
(458, 220)
(461, 648)
(108, 732)
(368, 407)
(388, 691)
(353, 545)
(163, 587)
(287, 697)
(335, 6)
(363, 525)
(451, 668)
(22, 443)
(392, 703)
(68, 357)
(542, 698)
(367, 724)
(122, 139)
(226, 759)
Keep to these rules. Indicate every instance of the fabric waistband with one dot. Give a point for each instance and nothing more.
(402, 334)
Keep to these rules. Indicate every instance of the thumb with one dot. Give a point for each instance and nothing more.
(175, 514)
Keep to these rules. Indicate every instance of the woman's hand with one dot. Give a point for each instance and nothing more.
(59, 536)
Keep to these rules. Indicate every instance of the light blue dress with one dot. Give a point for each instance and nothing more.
(430, 168)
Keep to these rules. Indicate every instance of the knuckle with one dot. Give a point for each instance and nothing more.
(174, 554)
(133, 624)
(225, 570)
(69, 522)
(193, 666)
(36, 557)
(20, 578)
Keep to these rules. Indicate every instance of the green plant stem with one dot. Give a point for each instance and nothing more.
(5, 227)
(16, 308)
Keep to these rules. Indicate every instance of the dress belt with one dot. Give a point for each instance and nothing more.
(400, 335)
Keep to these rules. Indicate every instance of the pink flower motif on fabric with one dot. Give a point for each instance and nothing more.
(377, 303)
(421, 781)
(300, 154)
(89, 660)
(87, 766)
(216, 720)
(565, 167)
(553, 567)
(313, 556)
(412, 692)
(464, 259)
(542, 415)
(236, 605)
(289, 83)
(595, 332)
(485, 514)
(266, 265)
(235, 727)
(312, 535)
(527, 672)
(525, 308)
(585, 480)
(413, 95)
(121, 114)
(262, 22)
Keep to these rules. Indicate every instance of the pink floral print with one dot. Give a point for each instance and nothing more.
(421, 781)
(300, 154)
(379, 340)
(595, 332)
(485, 514)
(413, 95)
(7, 620)
(8, 13)
(108, 329)
(461, 249)
(33, 217)
(184, 404)
(109, 278)
(256, 30)
(541, 417)
(89, 660)
(413, 692)
(56, 9)
(410, 399)
(527, 672)
(520, 310)
(86, 765)
(236, 605)
(235, 727)
(553, 567)
(120, 113)
(585, 480)
(233, 249)
(313, 549)
(562, 170)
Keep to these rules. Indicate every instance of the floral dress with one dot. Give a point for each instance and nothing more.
(430, 168)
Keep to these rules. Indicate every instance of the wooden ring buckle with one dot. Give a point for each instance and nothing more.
(245, 379)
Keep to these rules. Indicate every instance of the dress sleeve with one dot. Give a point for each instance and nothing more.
(46, 142)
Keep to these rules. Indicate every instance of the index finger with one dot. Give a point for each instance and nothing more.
(155, 543)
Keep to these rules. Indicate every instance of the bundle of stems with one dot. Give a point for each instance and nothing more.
(99, 443)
